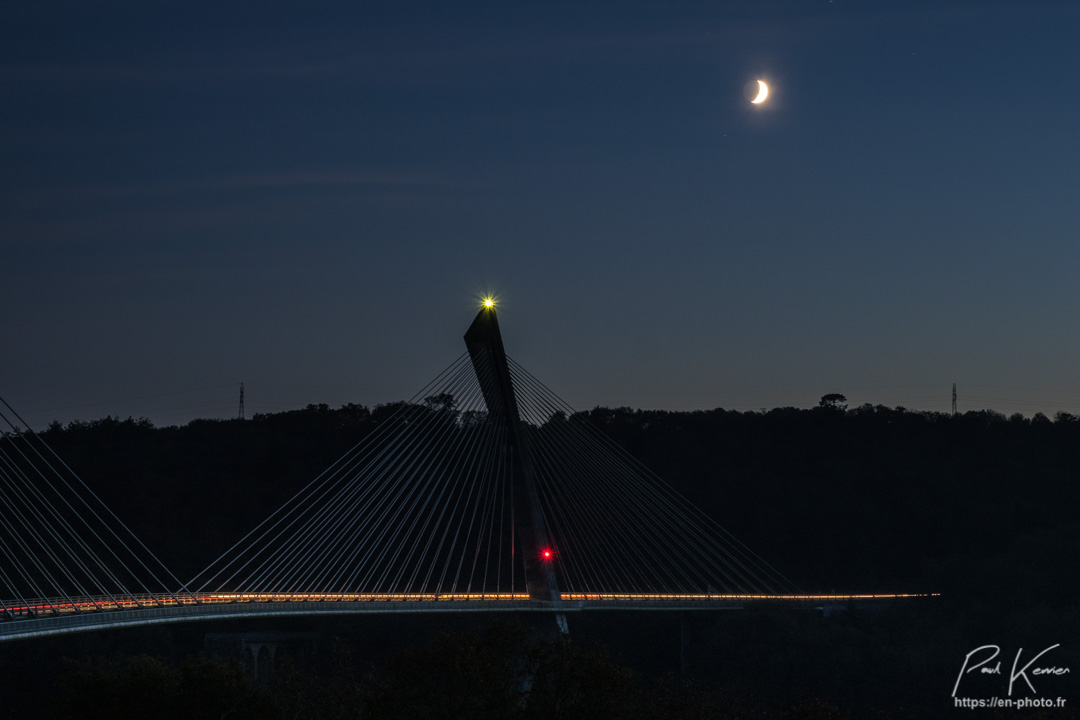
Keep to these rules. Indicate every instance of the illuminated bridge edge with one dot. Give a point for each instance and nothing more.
(115, 619)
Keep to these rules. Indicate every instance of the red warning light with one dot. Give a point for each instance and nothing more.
(547, 554)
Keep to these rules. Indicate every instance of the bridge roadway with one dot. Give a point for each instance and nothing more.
(39, 618)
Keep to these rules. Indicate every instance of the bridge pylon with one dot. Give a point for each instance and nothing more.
(531, 538)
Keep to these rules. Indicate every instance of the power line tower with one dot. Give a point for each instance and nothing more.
(242, 400)
(954, 398)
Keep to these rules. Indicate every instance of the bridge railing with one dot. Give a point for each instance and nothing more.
(51, 607)
(42, 607)
(48, 607)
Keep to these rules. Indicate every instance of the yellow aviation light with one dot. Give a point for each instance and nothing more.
(489, 302)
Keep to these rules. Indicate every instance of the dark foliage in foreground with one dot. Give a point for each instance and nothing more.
(504, 672)
(144, 687)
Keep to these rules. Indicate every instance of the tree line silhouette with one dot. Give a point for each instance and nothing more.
(978, 506)
(861, 500)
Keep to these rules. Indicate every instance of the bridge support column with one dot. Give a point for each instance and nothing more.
(684, 641)
(485, 345)
(257, 651)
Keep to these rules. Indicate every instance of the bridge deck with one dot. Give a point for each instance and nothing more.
(56, 617)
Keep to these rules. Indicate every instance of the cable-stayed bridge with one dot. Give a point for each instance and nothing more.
(483, 493)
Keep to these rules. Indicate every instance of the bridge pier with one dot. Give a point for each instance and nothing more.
(260, 655)
(684, 641)
(485, 346)
(257, 652)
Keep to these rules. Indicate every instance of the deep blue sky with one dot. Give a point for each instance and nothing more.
(310, 198)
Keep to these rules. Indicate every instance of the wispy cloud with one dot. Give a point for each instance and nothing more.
(73, 211)
(295, 179)
(467, 53)
(108, 225)
(299, 180)
(179, 70)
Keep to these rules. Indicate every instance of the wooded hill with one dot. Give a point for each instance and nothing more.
(861, 500)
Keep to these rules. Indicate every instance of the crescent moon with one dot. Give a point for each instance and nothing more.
(763, 92)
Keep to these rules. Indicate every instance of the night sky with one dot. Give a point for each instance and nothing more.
(311, 198)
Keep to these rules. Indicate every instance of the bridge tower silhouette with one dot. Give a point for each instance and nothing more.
(485, 345)
(485, 492)
(486, 485)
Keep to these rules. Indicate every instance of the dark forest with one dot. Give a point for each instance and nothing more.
(978, 507)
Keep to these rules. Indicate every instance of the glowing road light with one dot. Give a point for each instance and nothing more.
(56, 606)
